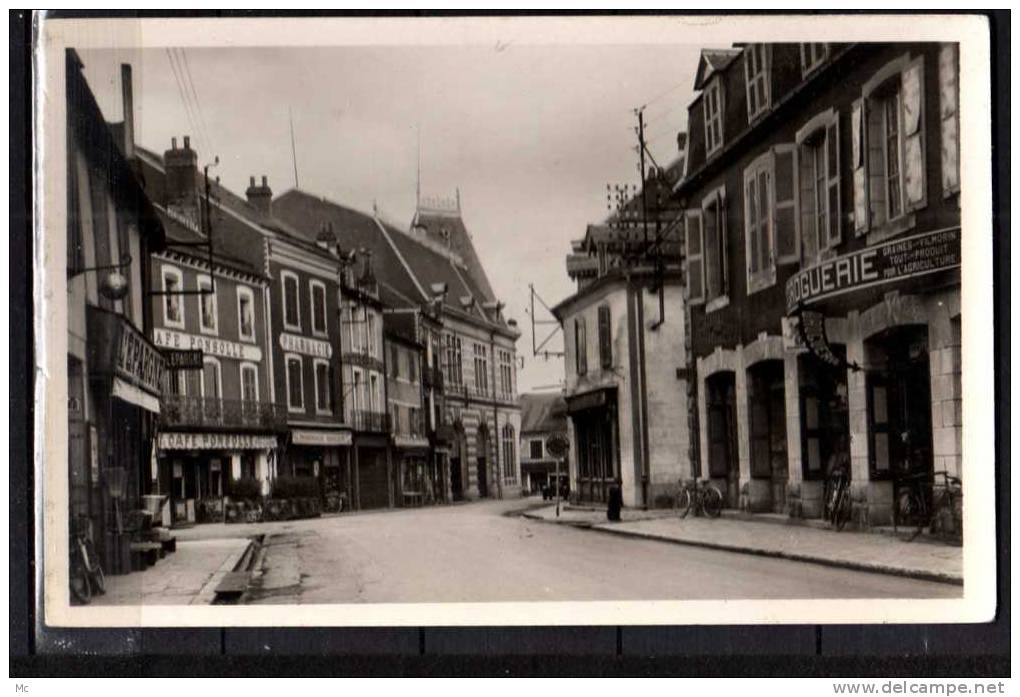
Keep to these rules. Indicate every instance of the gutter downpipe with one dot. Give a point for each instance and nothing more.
(495, 414)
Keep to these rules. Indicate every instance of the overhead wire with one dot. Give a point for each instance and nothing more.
(198, 104)
(185, 101)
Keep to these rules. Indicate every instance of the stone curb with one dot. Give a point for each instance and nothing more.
(908, 572)
(207, 595)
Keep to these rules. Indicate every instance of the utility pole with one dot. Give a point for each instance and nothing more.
(641, 152)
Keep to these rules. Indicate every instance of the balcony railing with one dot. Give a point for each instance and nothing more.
(180, 411)
(371, 421)
(455, 389)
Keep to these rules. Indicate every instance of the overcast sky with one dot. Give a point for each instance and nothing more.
(530, 135)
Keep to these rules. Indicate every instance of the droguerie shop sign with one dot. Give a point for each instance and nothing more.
(888, 262)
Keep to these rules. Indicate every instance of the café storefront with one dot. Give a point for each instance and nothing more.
(325, 454)
(873, 340)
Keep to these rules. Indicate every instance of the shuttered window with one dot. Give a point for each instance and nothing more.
(818, 184)
(756, 72)
(695, 258)
(713, 215)
(713, 101)
(858, 161)
(605, 337)
(758, 202)
(580, 346)
(949, 116)
(784, 225)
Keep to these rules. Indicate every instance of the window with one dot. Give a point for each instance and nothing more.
(322, 391)
(818, 172)
(357, 385)
(756, 70)
(580, 346)
(506, 380)
(371, 345)
(454, 360)
(509, 455)
(245, 313)
(212, 385)
(318, 292)
(295, 388)
(761, 267)
(605, 338)
(374, 398)
(535, 448)
(949, 116)
(412, 367)
(812, 55)
(291, 301)
(394, 362)
(713, 117)
(206, 305)
(716, 245)
(888, 148)
(173, 303)
(481, 369)
(249, 382)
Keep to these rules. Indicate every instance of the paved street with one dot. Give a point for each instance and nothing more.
(472, 552)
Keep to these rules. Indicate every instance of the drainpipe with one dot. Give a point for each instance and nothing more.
(495, 413)
(642, 390)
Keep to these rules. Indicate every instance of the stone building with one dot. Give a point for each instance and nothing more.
(823, 248)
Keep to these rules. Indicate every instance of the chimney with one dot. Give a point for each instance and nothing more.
(128, 100)
(182, 178)
(260, 197)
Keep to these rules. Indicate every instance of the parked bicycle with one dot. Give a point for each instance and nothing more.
(701, 497)
(86, 573)
(940, 511)
(838, 507)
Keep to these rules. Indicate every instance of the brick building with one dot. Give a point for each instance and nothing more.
(822, 251)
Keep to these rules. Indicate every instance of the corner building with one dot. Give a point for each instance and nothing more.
(822, 250)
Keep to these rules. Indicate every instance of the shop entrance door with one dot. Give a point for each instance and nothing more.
(767, 408)
(899, 410)
(723, 463)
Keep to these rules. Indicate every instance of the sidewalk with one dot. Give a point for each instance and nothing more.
(853, 550)
(189, 576)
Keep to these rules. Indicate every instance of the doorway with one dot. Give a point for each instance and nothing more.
(722, 435)
(767, 411)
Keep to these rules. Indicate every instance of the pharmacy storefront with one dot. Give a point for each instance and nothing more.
(200, 469)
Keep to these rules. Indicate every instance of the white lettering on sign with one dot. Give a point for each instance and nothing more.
(303, 437)
(210, 345)
(293, 343)
(215, 441)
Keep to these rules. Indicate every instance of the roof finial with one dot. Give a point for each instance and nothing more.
(458, 199)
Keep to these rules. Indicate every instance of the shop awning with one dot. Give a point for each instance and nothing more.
(134, 395)
(325, 437)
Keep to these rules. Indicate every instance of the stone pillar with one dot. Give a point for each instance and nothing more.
(743, 429)
(702, 434)
(803, 499)
(262, 470)
(235, 465)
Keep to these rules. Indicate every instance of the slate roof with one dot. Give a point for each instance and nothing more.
(543, 412)
(713, 60)
(460, 242)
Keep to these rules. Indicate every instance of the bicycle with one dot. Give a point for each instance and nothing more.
(86, 573)
(943, 517)
(703, 497)
(838, 507)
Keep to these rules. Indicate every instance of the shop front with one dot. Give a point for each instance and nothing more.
(200, 471)
(878, 335)
(594, 419)
(372, 471)
(419, 481)
(325, 455)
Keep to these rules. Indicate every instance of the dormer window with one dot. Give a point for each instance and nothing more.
(812, 55)
(713, 117)
(756, 70)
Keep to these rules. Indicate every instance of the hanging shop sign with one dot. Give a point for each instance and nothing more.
(214, 346)
(326, 438)
(186, 359)
(888, 262)
(294, 343)
(215, 441)
(812, 332)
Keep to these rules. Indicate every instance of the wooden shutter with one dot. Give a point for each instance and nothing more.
(874, 155)
(833, 235)
(605, 337)
(912, 83)
(859, 166)
(949, 117)
(695, 258)
(806, 202)
(784, 212)
(723, 243)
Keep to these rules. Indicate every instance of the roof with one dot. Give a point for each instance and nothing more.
(543, 412)
(712, 61)
(435, 222)
(405, 267)
(178, 231)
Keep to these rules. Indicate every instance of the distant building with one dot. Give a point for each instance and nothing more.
(625, 332)
(542, 416)
(823, 247)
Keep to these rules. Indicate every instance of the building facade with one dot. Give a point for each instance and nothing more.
(823, 245)
(115, 373)
(542, 416)
(415, 482)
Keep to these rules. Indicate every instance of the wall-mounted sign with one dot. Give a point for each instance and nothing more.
(215, 441)
(214, 346)
(587, 400)
(294, 343)
(183, 360)
(326, 438)
(891, 261)
(812, 332)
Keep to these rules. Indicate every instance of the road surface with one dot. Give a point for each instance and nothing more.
(474, 553)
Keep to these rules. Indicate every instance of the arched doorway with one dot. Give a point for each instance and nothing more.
(483, 460)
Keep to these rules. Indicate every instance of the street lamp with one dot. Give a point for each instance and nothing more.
(113, 286)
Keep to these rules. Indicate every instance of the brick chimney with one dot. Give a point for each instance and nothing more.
(260, 197)
(182, 178)
(128, 100)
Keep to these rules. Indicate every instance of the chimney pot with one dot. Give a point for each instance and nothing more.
(173, 143)
(187, 142)
(251, 181)
(265, 181)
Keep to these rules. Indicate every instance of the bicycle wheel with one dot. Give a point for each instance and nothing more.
(946, 521)
(918, 512)
(81, 588)
(843, 509)
(683, 503)
(711, 501)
